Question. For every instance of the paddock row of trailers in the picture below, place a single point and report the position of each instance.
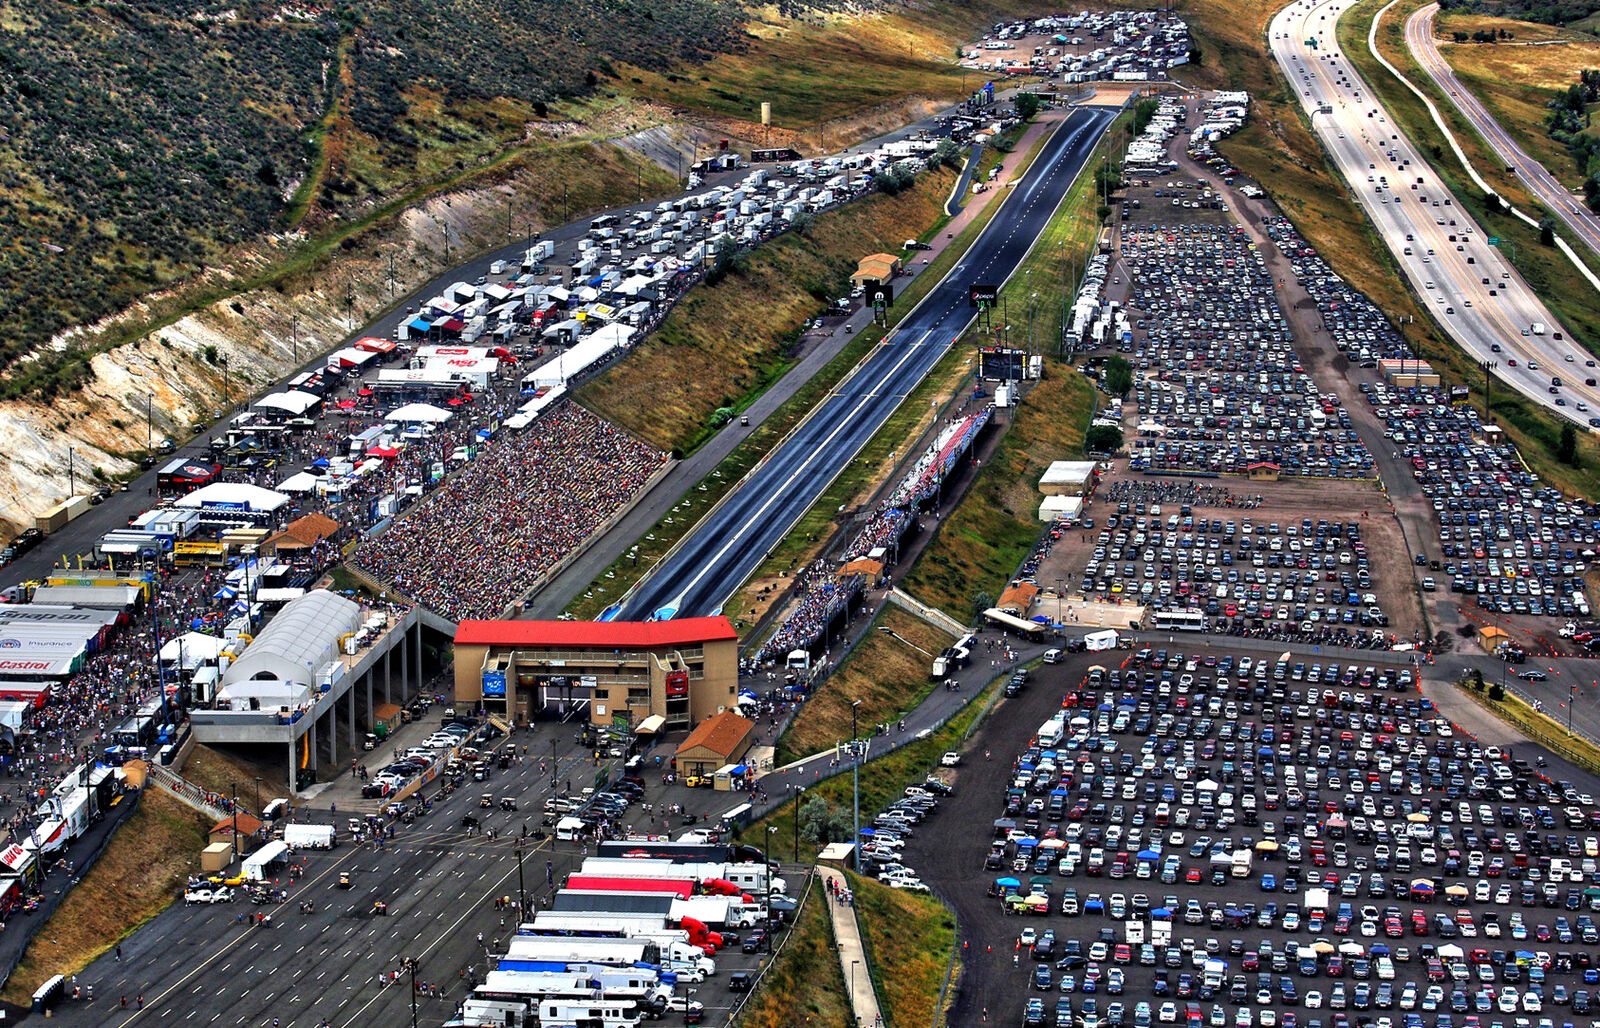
(633, 926)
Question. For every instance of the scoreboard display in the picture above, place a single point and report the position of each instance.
(1002, 363)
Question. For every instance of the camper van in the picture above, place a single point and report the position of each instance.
(560, 1013)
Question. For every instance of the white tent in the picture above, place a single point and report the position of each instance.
(235, 494)
(262, 694)
(193, 649)
(426, 413)
(257, 866)
(293, 402)
(304, 482)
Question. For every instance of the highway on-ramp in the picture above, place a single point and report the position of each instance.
(723, 550)
(1473, 292)
(1570, 209)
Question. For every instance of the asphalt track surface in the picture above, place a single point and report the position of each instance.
(1363, 141)
(1424, 47)
(727, 546)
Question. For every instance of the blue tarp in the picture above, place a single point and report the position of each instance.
(419, 325)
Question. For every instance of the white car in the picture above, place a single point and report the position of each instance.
(1168, 1013)
(197, 896)
(950, 759)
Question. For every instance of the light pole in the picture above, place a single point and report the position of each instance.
(411, 965)
(766, 854)
(522, 887)
(149, 426)
(798, 793)
(72, 478)
(258, 796)
(1572, 690)
(233, 789)
(855, 786)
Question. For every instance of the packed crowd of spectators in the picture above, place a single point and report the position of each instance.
(478, 543)
(822, 593)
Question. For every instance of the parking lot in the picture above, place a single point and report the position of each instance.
(1289, 558)
(1218, 388)
(1222, 842)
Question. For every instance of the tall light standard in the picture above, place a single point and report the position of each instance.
(258, 796)
(233, 789)
(149, 426)
(411, 965)
(522, 887)
(855, 786)
(799, 793)
(767, 856)
(1572, 689)
(72, 477)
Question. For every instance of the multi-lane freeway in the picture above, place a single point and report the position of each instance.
(1424, 47)
(1473, 292)
(723, 550)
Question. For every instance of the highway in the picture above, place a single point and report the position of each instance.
(726, 547)
(1480, 301)
(1570, 209)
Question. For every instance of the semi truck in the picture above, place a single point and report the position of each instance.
(681, 887)
(620, 926)
(749, 876)
(617, 952)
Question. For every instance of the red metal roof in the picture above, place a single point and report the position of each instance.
(598, 634)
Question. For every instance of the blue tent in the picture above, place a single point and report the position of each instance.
(421, 325)
(1008, 883)
(1149, 854)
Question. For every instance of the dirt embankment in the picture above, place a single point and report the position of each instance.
(156, 384)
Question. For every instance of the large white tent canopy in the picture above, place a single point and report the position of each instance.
(235, 494)
(292, 402)
(193, 649)
(425, 413)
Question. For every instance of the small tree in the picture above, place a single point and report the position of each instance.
(1118, 375)
(1547, 231)
(1567, 448)
(1475, 679)
(803, 222)
(1103, 439)
(982, 600)
(949, 153)
(1497, 692)
(1027, 105)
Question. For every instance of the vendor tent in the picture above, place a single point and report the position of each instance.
(423, 413)
(192, 649)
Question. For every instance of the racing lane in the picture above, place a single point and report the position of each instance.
(727, 546)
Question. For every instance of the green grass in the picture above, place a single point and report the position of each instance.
(908, 967)
(804, 985)
(725, 344)
(887, 674)
(882, 779)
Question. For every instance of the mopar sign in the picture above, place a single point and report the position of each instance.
(494, 683)
(1459, 394)
(982, 294)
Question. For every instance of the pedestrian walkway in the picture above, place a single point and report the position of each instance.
(852, 955)
(185, 791)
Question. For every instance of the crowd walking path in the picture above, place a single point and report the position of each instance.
(852, 955)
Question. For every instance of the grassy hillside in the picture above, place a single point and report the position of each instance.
(142, 141)
(1516, 83)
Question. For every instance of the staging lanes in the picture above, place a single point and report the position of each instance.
(727, 546)
(1424, 47)
(1364, 142)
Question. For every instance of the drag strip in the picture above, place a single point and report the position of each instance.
(727, 546)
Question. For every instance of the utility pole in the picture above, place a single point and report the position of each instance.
(72, 478)
(294, 334)
(391, 275)
(855, 785)
(149, 426)
(522, 887)
(799, 793)
(234, 789)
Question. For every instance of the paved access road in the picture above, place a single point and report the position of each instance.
(1443, 252)
(1424, 47)
(732, 541)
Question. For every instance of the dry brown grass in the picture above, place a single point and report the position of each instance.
(219, 771)
(138, 875)
(1514, 82)
(885, 674)
(728, 341)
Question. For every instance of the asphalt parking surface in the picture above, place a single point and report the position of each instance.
(998, 977)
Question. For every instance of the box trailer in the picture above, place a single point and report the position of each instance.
(681, 887)
(1096, 641)
(618, 952)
